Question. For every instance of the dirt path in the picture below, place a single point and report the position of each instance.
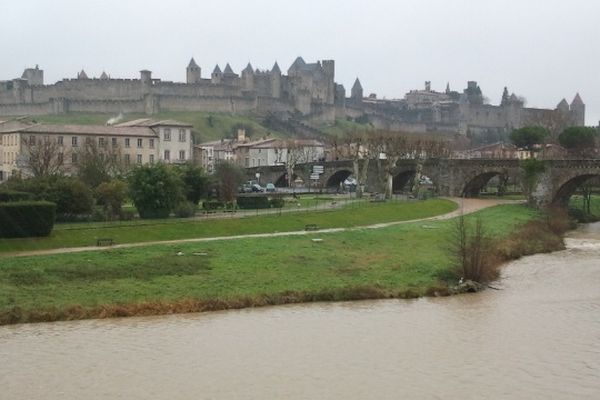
(465, 206)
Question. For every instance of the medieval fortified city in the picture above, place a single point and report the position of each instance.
(275, 229)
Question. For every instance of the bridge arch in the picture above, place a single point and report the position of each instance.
(474, 184)
(569, 187)
(403, 180)
(337, 177)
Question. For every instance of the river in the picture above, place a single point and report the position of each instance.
(536, 338)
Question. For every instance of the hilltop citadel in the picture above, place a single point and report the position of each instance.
(308, 93)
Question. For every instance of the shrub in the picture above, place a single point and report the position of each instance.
(277, 202)
(13, 195)
(185, 209)
(26, 218)
(111, 196)
(126, 215)
(212, 205)
(155, 190)
(253, 202)
(72, 197)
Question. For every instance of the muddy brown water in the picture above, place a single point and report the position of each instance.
(536, 338)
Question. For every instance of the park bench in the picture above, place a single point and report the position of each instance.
(311, 227)
(104, 242)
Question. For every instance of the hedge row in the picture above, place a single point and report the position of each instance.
(13, 195)
(254, 202)
(26, 219)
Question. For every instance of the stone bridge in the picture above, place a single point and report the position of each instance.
(451, 177)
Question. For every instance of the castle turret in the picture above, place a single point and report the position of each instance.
(578, 111)
(329, 69)
(448, 88)
(104, 76)
(34, 76)
(193, 72)
(216, 75)
(563, 106)
(146, 79)
(82, 75)
(248, 77)
(428, 86)
(356, 93)
(505, 97)
(296, 66)
(228, 70)
(276, 81)
(473, 92)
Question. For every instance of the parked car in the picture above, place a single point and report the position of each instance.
(245, 188)
(270, 187)
(257, 188)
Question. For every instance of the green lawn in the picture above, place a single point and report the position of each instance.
(394, 259)
(74, 235)
(576, 201)
(218, 126)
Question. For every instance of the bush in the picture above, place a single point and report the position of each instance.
(253, 202)
(26, 219)
(13, 195)
(277, 203)
(212, 205)
(185, 209)
(155, 190)
(72, 197)
(111, 196)
(126, 215)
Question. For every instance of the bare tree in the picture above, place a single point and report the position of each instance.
(422, 149)
(356, 146)
(98, 162)
(44, 156)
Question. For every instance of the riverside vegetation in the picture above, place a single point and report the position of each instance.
(402, 261)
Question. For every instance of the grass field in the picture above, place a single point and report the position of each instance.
(207, 126)
(76, 235)
(576, 201)
(398, 261)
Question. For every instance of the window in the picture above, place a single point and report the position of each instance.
(127, 159)
(114, 142)
(151, 143)
(74, 158)
(74, 141)
(59, 140)
(167, 156)
(60, 158)
(138, 159)
(259, 162)
(32, 140)
(182, 135)
(167, 135)
(126, 142)
(151, 158)
(247, 162)
(140, 143)
(88, 140)
(102, 142)
(182, 155)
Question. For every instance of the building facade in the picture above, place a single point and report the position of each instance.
(135, 142)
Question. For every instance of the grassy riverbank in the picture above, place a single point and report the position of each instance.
(399, 261)
(79, 235)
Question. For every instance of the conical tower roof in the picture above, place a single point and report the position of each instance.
(563, 105)
(228, 69)
(577, 100)
(104, 75)
(248, 69)
(217, 69)
(357, 85)
(82, 75)
(275, 68)
(193, 64)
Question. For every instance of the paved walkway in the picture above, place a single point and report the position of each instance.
(466, 206)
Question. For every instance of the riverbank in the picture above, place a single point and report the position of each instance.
(400, 261)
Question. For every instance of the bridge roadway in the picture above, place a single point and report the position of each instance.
(452, 177)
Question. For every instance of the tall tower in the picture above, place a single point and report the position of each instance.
(356, 93)
(193, 72)
(34, 76)
(329, 69)
(217, 75)
(578, 111)
(276, 81)
(248, 77)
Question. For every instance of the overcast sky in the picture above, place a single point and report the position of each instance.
(543, 50)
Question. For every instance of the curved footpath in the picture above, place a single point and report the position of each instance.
(465, 206)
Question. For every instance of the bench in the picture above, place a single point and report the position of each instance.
(311, 227)
(104, 242)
